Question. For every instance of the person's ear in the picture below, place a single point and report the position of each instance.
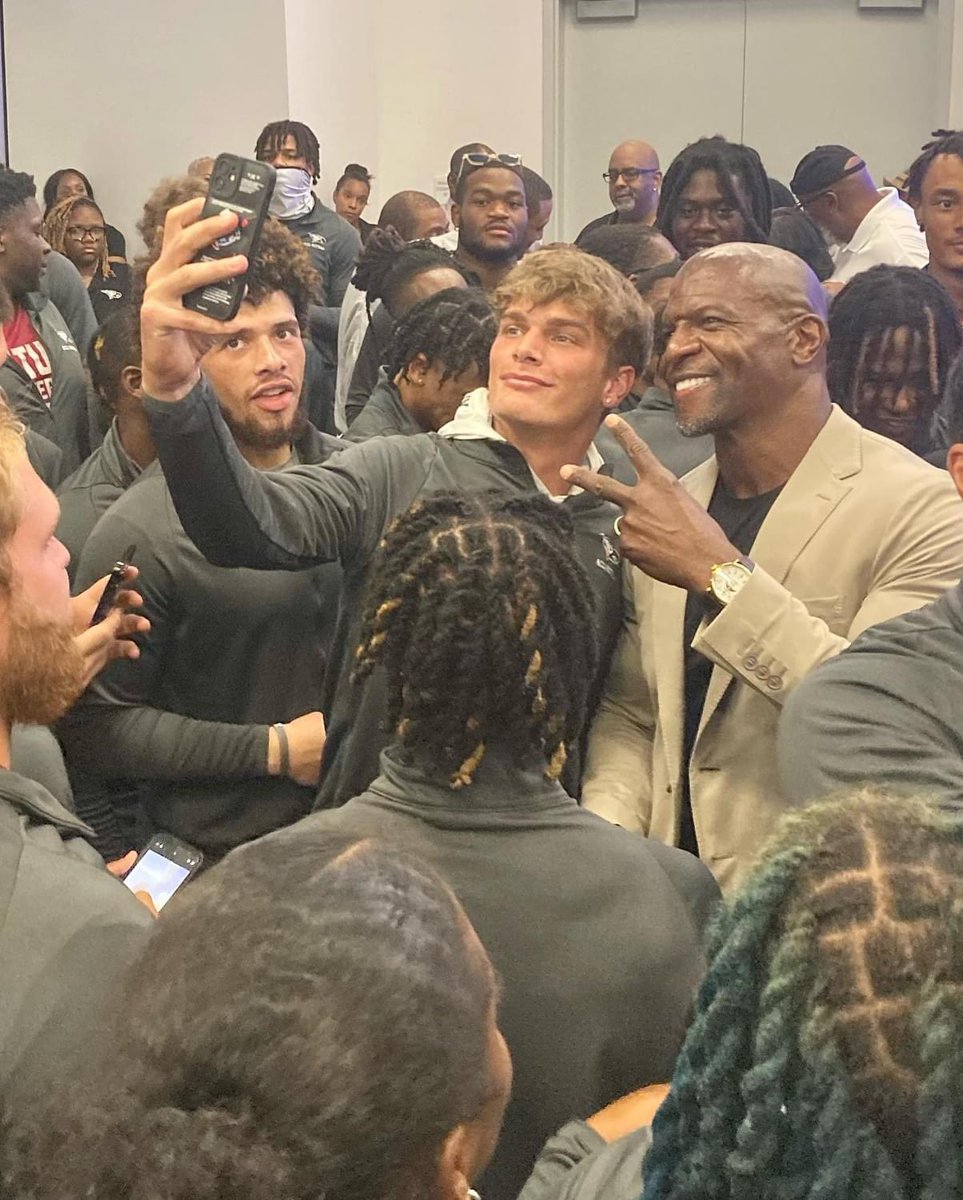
(417, 369)
(617, 387)
(808, 338)
(455, 216)
(918, 210)
(454, 1165)
(131, 381)
(954, 464)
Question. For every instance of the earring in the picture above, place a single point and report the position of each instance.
(473, 1195)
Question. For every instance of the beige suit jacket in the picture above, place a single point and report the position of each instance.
(862, 532)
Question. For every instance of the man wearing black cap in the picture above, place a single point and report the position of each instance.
(869, 225)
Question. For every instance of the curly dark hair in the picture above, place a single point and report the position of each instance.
(272, 137)
(454, 328)
(484, 621)
(727, 160)
(945, 141)
(16, 188)
(865, 316)
(114, 346)
(337, 1035)
(387, 264)
(826, 1054)
(281, 264)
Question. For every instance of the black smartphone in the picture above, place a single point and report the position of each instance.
(239, 185)
(115, 581)
(164, 865)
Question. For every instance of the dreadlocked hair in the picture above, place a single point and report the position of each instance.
(826, 1055)
(16, 188)
(945, 141)
(454, 329)
(387, 265)
(305, 142)
(864, 319)
(50, 187)
(485, 624)
(728, 161)
(58, 220)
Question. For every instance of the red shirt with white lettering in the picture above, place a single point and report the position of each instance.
(29, 352)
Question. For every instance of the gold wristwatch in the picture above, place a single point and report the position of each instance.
(726, 580)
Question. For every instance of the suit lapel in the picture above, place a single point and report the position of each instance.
(814, 490)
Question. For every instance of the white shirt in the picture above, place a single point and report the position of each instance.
(352, 326)
(888, 234)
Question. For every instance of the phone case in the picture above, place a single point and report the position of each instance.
(244, 186)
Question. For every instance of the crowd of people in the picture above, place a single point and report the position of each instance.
(548, 650)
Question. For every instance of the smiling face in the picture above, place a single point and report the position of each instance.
(70, 184)
(492, 216)
(705, 217)
(726, 352)
(634, 180)
(550, 370)
(257, 373)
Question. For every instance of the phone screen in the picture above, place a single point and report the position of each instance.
(156, 875)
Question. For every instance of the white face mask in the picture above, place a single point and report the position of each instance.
(292, 194)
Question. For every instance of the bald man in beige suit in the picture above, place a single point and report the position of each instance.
(800, 532)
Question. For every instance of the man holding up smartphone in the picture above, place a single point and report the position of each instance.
(557, 366)
(219, 719)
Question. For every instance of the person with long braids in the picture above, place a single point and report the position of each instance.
(825, 1058)
(481, 623)
(342, 1042)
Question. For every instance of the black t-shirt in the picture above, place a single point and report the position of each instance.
(107, 295)
(740, 521)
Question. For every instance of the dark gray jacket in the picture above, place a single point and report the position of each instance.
(45, 458)
(334, 246)
(653, 419)
(229, 653)
(63, 284)
(68, 933)
(578, 1164)
(596, 933)
(64, 420)
(383, 416)
(340, 510)
(87, 494)
(886, 711)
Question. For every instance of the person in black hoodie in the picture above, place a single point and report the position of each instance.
(220, 716)
(439, 353)
(572, 335)
(483, 622)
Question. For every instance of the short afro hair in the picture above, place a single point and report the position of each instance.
(16, 188)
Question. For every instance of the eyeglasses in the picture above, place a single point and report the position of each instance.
(629, 174)
(82, 233)
(474, 161)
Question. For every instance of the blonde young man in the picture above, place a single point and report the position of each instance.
(800, 532)
(571, 338)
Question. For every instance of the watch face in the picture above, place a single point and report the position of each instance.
(727, 580)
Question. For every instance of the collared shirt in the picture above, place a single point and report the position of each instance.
(889, 233)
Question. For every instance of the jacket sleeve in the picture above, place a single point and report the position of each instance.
(343, 251)
(281, 520)
(854, 720)
(577, 1164)
(114, 731)
(768, 639)
(617, 780)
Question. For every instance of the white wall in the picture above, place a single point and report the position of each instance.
(131, 90)
(782, 75)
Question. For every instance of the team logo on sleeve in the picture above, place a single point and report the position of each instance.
(610, 560)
